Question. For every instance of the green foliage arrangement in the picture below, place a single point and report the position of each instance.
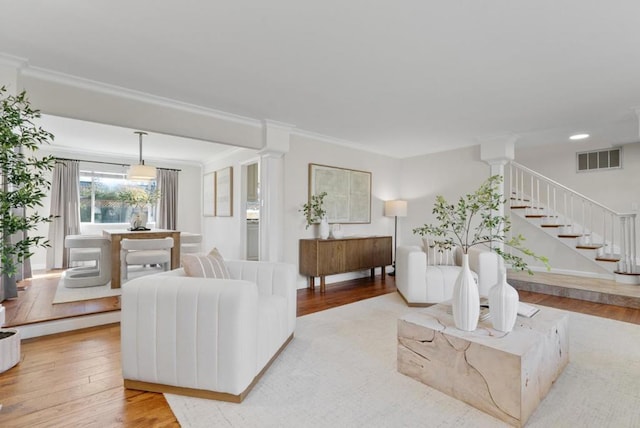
(137, 197)
(456, 225)
(25, 179)
(314, 210)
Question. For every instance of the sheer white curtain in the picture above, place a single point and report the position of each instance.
(168, 205)
(65, 207)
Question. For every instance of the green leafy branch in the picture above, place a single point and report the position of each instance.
(456, 225)
(314, 210)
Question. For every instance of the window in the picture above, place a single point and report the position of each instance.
(599, 159)
(99, 202)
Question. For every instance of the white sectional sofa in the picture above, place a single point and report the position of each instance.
(421, 282)
(210, 338)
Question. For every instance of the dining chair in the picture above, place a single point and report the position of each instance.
(144, 252)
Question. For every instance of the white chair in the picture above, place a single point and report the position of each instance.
(422, 284)
(207, 337)
(190, 242)
(84, 248)
(144, 252)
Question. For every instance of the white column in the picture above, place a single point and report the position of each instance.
(276, 145)
(497, 151)
(10, 68)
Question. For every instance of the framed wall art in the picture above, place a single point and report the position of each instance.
(348, 197)
(224, 192)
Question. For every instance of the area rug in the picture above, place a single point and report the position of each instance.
(66, 295)
(340, 371)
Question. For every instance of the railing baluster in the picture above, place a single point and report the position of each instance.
(617, 239)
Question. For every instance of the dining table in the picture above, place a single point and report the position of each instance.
(116, 237)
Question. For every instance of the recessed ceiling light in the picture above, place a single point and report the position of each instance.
(579, 136)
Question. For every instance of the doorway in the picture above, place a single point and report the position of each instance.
(252, 191)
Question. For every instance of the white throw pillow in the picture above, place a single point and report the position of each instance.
(436, 257)
(205, 266)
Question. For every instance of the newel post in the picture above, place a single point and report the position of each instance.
(497, 151)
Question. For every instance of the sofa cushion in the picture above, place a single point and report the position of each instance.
(205, 266)
(435, 256)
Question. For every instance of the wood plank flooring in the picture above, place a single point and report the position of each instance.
(34, 302)
(74, 379)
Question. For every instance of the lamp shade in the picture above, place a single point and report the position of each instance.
(141, 172)
(397, 208)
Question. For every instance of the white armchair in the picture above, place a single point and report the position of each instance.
(205, 337)
(422, 284)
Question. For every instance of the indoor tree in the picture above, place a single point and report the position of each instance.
(473, 221)
(25, 182)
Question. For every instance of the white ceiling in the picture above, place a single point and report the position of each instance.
(403, 77)
(78, 137)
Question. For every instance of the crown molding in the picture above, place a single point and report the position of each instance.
(340, 142)
(118, 91)
(268, 123)
(13, 61)
(127, 160)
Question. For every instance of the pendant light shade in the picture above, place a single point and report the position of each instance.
(141, 171)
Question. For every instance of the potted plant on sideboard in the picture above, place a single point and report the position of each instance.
(314, 212)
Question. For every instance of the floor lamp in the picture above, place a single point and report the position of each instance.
(397, 208)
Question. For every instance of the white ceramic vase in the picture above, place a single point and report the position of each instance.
(324, 228)
(503, 304)
(138, 219)
(466, 299)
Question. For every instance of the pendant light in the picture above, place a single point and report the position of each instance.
(141, 171)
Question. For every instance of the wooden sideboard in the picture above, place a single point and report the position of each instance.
(321, 257)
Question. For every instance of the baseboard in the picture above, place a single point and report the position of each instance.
(608, 276)
(203, 393)
(45, 328)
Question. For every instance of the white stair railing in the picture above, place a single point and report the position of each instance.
(596, 226)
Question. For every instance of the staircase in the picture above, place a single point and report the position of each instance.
(605, 237)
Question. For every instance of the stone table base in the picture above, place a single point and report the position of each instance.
(503, 374)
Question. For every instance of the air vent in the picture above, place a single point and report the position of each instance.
(600, 159)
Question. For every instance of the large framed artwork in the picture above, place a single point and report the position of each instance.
(348, 197)
(224, 192)
(208, 194)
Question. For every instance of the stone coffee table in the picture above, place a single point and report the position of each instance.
(503, 374)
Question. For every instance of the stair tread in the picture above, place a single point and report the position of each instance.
(569, 235)
(534, 215)
(589, 246)
(554, 225)
(608, 259)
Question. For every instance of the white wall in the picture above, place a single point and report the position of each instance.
(385, 185)
(228, 234)
(450, 174)
(618, 189)
(189, 198)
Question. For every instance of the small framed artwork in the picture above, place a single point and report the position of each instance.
(208, 194)
(224, 192)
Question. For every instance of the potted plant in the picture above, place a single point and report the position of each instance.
(470, 222)
(314, 212)
(25, 182)
(139, 199)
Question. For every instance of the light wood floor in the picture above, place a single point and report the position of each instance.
(74, 379)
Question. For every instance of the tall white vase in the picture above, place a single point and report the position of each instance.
(324, 228)
(503, 304)
(466, 299)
